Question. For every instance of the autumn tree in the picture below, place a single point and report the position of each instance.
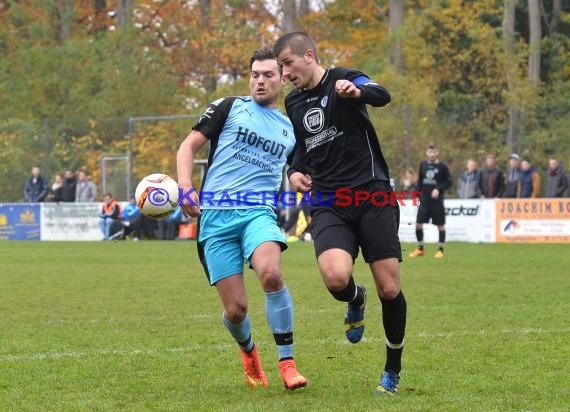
(535, 40)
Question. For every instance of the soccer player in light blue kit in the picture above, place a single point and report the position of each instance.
(250, 141)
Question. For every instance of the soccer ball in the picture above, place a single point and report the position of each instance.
(157, 196)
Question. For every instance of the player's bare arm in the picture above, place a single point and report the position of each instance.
(185, 164)
(301, 182)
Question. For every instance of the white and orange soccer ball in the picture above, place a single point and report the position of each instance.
(157, 195)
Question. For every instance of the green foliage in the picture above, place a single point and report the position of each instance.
(135, 326)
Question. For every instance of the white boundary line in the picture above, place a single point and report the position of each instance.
(229, 345)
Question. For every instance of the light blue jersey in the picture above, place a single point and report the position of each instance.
(249, 146)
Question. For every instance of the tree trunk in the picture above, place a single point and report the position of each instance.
(555, 20)
(66, 20)
(210, 83)
(510, 69)
(205, 9)
(124, 12)
(396, 21)
(534, 41)
(289, 8)
(303, 8)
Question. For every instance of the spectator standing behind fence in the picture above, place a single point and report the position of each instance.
(110, 216)
(513, 176)
(85, 190)
(56, 192)
(556, 183)
(409, 182)
(492, 182)
(69, 186)
(469, 180)
(529, 184)
(36, 186)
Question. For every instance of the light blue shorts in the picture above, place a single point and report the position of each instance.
(229, 237)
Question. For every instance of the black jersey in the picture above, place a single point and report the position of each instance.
(433, 176)
(336, 142)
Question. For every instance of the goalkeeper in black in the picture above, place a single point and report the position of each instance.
(434, 180)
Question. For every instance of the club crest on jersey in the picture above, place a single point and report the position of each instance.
(314, 120)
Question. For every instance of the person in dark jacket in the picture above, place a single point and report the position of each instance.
(556, 182)
(55, 194)
(469, 182)
(529, 184)
(492, 182)
(513, 176)
(68, 187)
(36, 187)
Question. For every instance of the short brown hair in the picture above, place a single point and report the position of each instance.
(261, 54)
(264, 54)
(298, 41)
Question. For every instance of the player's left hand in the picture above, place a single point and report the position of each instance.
(345, 88)
(435, 194)
(190, 209)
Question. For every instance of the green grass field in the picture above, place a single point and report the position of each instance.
(135, 326)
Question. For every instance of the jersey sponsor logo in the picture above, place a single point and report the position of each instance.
(320, 139)
(314, 120)
(253, 139)
(324, 101)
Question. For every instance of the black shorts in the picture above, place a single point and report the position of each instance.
(372, 228)
(431, 210)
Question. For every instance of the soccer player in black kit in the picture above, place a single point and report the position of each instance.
(434, 179)
(337, 148)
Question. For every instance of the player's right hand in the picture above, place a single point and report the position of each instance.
(190, 208)
(301, 182)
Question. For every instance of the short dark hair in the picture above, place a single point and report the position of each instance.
(298, 41)
(262, 54)
(432, 146)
